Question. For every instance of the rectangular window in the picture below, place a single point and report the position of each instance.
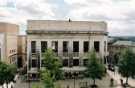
(65, 46)
(97, 46)
(34, 63)
(85, 46)
(55, 46)
(33, 46)
(65, 62)
(76, 62)
(76, 46)
(43, 46)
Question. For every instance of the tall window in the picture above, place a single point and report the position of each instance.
(43, 46)
(34, 63)
(65, 46)
(76, 46)
(65, 62)
(76, 62)
(85, 46)
(55, 46)
(97, 46)
(33, 46)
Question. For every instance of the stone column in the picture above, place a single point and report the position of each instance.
(91, 44)
(49, 44)
(60, 47)
(102, 48)
(81, 47)
(70, 46)
(81, 52)
(38, 44)
(28, 53)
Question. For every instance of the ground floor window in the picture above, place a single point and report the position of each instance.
(34, 63)
(76, 62)
(65, 62)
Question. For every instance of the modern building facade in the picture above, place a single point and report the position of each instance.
(8, 42)
(68, 39)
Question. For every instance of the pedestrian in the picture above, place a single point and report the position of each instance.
(111, 82)
(121, 81)
(12, 84)
(67, 86)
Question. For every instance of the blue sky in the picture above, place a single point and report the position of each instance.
(119, 14)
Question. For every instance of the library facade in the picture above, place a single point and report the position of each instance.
(70, 40)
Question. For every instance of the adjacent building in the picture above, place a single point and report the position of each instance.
(22, 55)
(116, 47)
(8, 42)
(70, 40)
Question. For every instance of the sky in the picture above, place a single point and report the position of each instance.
(119, 14)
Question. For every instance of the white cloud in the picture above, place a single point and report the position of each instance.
(120, 14)
(115, 12)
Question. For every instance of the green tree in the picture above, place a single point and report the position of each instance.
(52, 63)
(47, 79)
(7, 72)
(95, 69)
(126, 64)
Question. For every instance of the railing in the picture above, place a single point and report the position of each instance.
(75, 54)
(67, 54)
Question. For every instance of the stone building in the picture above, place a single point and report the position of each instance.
(68, 39)
(116, 47)
(8, 42)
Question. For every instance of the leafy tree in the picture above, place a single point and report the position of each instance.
(126, 64)
(95, 69)
(47, 79)
(52, 63)
(3, 72)
(7, 72)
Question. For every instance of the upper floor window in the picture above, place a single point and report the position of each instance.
(43, 46)
(76, 46)
(65, 46)
(85, 46)
(97, 46)
(33, 46)
(65, 62)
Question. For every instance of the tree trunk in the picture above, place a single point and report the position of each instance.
(127, 80)
(94, 81)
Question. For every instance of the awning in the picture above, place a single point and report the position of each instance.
(74, 69)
